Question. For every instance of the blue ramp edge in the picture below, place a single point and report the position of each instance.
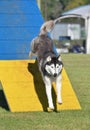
(20, 21)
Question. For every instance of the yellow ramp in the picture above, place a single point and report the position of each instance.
(24, 89)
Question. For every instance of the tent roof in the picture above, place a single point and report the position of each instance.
(83, 10)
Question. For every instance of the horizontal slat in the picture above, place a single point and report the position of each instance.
(18, 6)
(12, 56)
(18, 33)
(14, 47)
(20, 20)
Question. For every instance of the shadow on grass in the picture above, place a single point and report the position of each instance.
(3, 102)
(40, 87)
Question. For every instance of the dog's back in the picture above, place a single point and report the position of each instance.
(42, 45)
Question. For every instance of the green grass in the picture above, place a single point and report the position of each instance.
(78, 70)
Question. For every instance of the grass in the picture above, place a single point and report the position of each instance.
(78, 70)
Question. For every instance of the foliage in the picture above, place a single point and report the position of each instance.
(75, 3)
(52, 9)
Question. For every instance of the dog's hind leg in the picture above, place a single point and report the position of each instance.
(32, 51)
(30, 55)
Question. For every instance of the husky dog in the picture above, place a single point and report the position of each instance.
(50, 65)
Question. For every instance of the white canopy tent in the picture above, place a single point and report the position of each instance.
(81, 12)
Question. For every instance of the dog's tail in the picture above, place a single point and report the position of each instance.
(47, 27)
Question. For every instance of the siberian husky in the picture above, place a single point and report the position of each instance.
(50, 65)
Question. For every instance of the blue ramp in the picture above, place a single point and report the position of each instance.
(20, 21)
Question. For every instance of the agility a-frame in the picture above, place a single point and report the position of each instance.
(20, 79)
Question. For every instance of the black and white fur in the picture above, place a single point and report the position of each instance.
(50, 65)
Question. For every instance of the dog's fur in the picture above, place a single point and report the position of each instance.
(50, 65)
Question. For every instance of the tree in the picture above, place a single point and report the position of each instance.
(52, 9)
(74, 4)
